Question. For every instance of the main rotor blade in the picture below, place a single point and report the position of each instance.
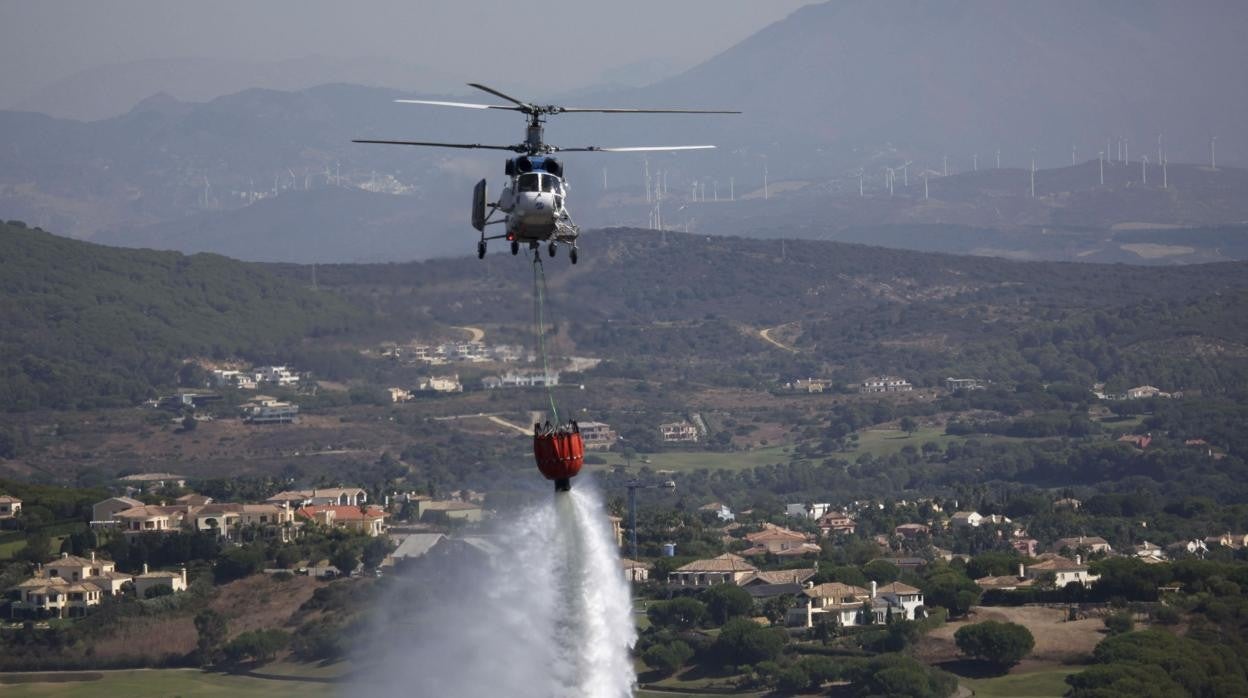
(644, 111)
(465, 105)
(636, 149)
(524, 106)
(513, 148)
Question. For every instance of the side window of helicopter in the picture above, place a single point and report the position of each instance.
(528, 182)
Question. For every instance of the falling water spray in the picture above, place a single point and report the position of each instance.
(539, 609)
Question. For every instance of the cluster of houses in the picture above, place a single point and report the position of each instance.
(454, 352)
(1139, 392)
(72, 585)
(278, 517)
(428, 385)
(678, 432)
(521, 379)
(253, 378)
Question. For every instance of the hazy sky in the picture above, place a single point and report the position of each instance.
(44, 40)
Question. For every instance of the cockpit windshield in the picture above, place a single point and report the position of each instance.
(550, 183)
(528, 182)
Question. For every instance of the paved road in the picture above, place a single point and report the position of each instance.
(477, 333)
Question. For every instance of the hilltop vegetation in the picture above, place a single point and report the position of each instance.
(87, 325)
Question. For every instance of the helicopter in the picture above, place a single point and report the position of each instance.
(533, 202)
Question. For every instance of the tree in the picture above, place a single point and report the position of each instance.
(683, 613)
(908, 425)
(345, 560)
(238, 563)
(881, 571)
(667, 657)
(742, 641)
(375, 550)
(212, 629)
(1003, 644)
(259, 645)
(724, 601)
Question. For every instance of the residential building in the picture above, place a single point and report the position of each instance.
(966, 519)
(837, 523)
(910, 531)
(1141, 392)
(722, 569)
(193, 500)
(69, 585)
(233, 379)
(151, 518)
(9, 506)
(460, 511)
(1007, 582)
(278, 375)
(898, 596)
(399, 394)
(243, 521)
(268, 410)
(1235, 541)
(1067, 503)
(1148, 550)
(834, 602)
(778, 577)
(812, 510)
(341, 496)
(102, 513)
(147, 581)
(885, 384)
(415, 546)
(597, 436)
(635, 571)
(1025, 546)
(1195, 548)
(776, 540)
(721, 511)
(442, 384)
(1140, 441)
(1064, 571)
(369, 520)
(905, 564)
(953, 384)
(678, 431)
(1091, 544)
(809, 385)
(521, 379)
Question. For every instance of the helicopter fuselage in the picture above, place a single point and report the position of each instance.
(534, 201)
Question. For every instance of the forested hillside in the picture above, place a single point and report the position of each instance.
(687, 307)
(92, 325)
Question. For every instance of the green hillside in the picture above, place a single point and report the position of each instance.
(91, 325)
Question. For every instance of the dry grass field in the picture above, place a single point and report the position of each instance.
(1057, 640)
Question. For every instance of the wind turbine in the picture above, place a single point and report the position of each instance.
(1213, 152)
(889, 176)
(860, 173)
(1165, 181)
(905, 173)
(1100, 160)
(1073, 150)
(946, 168)
(1033, 178)
(998, 154)
(1144, 168)
(975, 162)
(925, 185)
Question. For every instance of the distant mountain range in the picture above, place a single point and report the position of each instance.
(832, 90)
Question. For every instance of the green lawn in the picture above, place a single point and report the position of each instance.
(8, 550)
(164, 682)
(1037, 684)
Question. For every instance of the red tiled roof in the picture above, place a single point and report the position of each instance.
(341, 513)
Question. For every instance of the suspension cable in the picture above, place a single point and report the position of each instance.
(539, 324)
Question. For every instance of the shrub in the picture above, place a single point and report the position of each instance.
(259, 645)
(742, 641)
(1119, 623)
